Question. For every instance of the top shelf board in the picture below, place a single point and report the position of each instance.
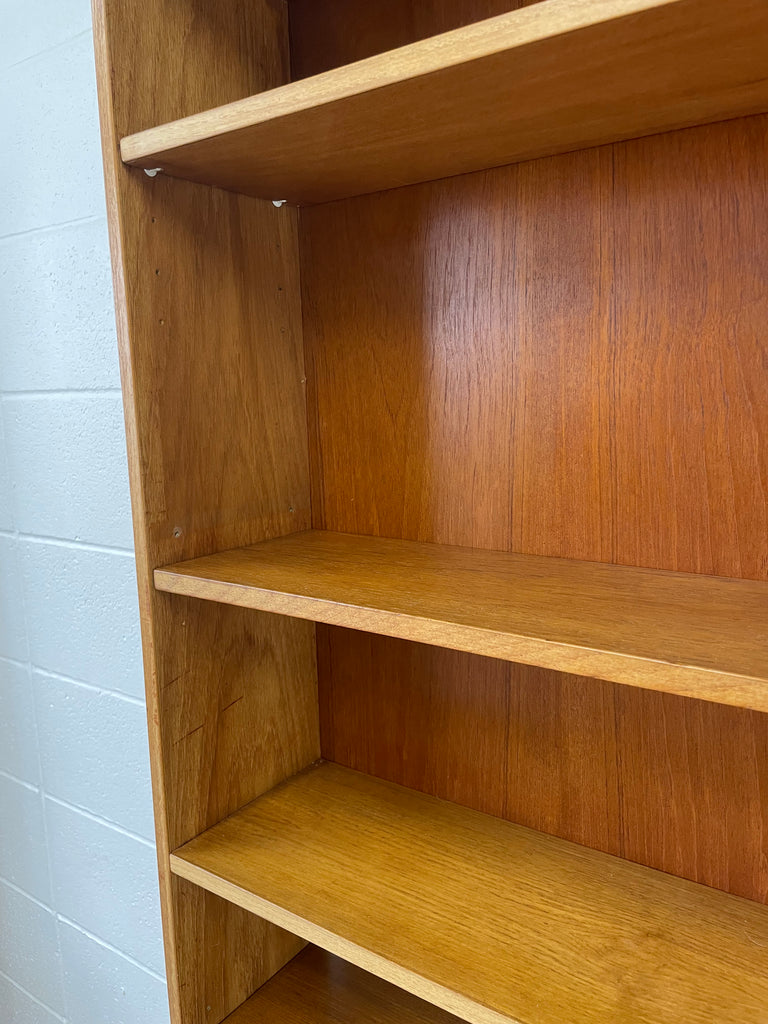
(557, 76)
(698, 636)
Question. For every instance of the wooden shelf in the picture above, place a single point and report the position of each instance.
(319, 988)
(699, 636)
(491, 921)
(553, 77)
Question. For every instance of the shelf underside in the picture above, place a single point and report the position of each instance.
(319, 988)
(556, 76)
(699, 636)
(489, 920)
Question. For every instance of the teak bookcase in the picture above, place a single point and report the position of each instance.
(450, 484)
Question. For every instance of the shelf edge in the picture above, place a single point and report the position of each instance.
(614, 667)
(416, 984)
(487, 38)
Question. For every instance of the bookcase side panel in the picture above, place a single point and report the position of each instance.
(209, 325)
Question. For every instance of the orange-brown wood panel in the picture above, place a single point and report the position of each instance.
(566, 357)
(676, 784)
(689, 379)
(225, 950)
(336, 32)
(435, 720)
(557, 289)
(409, 359)
(562, 771)
(532, 746)
(693, 789)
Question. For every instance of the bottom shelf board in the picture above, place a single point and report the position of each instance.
(319, 988)
(488, 920)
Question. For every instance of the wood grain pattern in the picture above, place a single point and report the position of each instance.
(548, 78)
(567, 933)
(528, 745)
(603, 285)
(701, 636)
(338, 32)
(232, 733)
(690, 436)
(226, 53)
(206, 287)
(434, 720)
(693, 789)
(666, 781)
(207, 925)
(319, 988)
(561, 773)
(591, 440)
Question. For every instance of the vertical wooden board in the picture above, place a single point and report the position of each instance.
(693, 783)
(239, 707)
(559, 472)
(434, 720)
(220, 452)
(174, 59)
(209, 325)
(221, 404)
(562, 775)
(209, 930)
(402, 408)
(473, 315)
(359, 332)
(336, 32)
(689, 425)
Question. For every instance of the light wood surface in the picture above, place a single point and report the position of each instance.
(680, 633)
(208, 315)
(319, 988)
(552, 77)
(567, 358)
(489, 920)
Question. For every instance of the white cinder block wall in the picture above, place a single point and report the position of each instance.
(79, 920)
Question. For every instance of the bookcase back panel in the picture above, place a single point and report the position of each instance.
(670, 782)
(331, 33)
(567, 357)
(564, 357)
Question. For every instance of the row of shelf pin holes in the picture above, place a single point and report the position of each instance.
(152, 172)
